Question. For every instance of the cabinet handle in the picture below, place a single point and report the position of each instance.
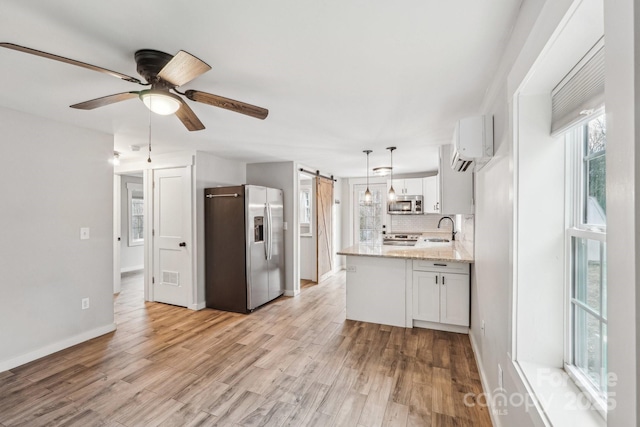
(436, 280)
(440, 265)
(443, 280)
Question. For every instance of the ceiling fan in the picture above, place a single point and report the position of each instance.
(164, 73)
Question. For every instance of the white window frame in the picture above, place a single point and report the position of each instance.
(131, 189)
(579, 229)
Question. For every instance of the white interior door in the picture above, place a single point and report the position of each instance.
(172, 245)
(116, 233)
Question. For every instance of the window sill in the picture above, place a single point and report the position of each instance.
(561, 401)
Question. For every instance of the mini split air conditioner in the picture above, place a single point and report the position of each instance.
(472, 144)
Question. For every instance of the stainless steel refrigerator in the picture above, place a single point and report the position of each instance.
(244, 247)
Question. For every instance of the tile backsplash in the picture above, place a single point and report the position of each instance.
(417, 223)
(429, 222)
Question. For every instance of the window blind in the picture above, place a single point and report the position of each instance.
(580, 92)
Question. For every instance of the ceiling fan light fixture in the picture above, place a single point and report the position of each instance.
(160, 101)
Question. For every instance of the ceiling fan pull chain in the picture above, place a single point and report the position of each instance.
(149, 159)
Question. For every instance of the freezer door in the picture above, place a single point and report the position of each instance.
(225, 249)
(257, 240)
(276, 242)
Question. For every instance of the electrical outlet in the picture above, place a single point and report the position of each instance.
(500, 378)
(351, 268)
(85, 303)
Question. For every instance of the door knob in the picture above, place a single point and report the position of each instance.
(183, 244)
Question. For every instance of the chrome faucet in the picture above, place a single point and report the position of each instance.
(453, 226)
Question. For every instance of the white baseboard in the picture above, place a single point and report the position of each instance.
(441, 326)
(495, 420)
(291, 293)
(134, 268)
(5, 365)
(198, 306)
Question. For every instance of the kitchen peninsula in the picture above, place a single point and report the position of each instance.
(426, 285)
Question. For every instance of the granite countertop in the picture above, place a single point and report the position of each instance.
(451, 252)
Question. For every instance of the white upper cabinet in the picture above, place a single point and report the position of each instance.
(413, 186)
(431, 194)
(456, 188)
(407, 187)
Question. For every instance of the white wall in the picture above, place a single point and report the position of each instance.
(540, 234)
(336, 211)
(131, 257)
(622, 30)
(283, 175)
(61, 180)
(344, 212)
(210, 171)
(493, 271)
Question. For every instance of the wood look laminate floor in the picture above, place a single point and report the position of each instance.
(293, 362)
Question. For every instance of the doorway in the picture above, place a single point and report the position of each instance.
(315, 222)
(159, 223)
(307, 223)
(129, 232)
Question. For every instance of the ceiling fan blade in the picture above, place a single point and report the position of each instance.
(70, 61)
(229, 104)
(183, 68)
(188, 117)
(105, 100)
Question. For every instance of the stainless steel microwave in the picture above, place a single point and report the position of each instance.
(405, 205)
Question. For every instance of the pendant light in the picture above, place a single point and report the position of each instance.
(367, 194)
(392, 192)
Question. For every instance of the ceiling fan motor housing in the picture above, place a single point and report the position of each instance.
(150, 62)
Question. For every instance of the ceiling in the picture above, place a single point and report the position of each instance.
(337, 76)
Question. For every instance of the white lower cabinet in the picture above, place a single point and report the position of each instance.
(376, 290)
(441, 293)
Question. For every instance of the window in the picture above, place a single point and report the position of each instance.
(369, 217)
(586, 238)
(305, 210)
(135, 200)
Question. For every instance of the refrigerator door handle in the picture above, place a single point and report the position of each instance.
(267, 226)
(269, 232)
